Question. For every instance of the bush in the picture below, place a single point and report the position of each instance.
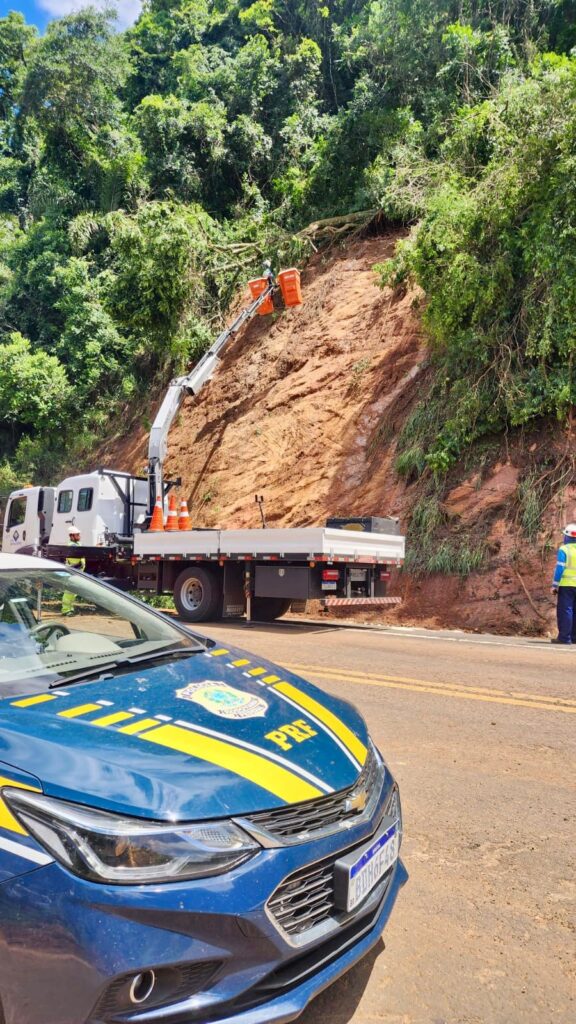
(496, 255)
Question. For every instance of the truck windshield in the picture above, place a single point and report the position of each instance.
(56, 625)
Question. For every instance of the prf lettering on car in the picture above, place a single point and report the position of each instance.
(297, 731)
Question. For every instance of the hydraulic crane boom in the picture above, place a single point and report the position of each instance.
(191, 384)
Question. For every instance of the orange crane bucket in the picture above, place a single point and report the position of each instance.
(289, 281)
(257, 286)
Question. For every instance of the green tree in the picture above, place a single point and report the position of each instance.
(71, 90)
(34, 388)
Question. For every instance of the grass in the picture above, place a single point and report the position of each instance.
(357, 372)
(411, 462)
(531, 503)
(446, 558)
(428, 553)
(162, 602)
(416, 438)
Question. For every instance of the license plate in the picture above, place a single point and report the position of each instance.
(371, 865)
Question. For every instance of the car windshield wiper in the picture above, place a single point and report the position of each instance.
(173, 652)
(120, 662)
(79, 677)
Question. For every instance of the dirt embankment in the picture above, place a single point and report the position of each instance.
(306, 410)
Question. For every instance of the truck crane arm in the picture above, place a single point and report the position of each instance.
(190, 384)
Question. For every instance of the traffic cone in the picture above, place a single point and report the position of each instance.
(184, 522)
(172, 521)
(157, 521)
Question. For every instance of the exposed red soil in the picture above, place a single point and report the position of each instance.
(305, 410)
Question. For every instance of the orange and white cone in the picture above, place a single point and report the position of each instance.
(172, 520)
(157, 521)
(184, 522)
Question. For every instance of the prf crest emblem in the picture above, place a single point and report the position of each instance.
(224, 700)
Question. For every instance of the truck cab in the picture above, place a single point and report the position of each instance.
(104, 505)
(28, 519)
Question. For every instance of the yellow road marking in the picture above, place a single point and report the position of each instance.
(135, 727)
(216, 654)
(440, 689)
(29, 701)
(7, 819)
(361, 676)
(113, 719)
(247, 765)
(354, 745)
(81, 709)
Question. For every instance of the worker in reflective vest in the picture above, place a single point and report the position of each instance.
(68, 598)
(564, 585)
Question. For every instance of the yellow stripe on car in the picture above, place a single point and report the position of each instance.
(136, 727)
(256, 671)
(252, 767)
(27, 702)
(113, 719)
(80, 709)
(7, 819)
(216, 654)
(350, 741)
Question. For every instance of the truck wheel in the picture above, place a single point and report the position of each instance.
(196, 595)
(267, 609)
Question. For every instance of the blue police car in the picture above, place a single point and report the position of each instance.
(187, 833)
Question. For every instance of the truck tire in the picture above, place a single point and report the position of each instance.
(268, 609)
(197, 594)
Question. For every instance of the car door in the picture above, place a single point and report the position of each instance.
(15, 524)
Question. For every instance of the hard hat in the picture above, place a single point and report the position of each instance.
(73, 530)
(570, 530)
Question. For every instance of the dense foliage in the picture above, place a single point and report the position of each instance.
(144, 174)
(496, 255)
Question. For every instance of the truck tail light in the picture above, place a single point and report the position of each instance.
(330, 575)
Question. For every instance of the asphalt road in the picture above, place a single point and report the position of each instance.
(481, 734)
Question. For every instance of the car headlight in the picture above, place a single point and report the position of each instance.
(125, 851)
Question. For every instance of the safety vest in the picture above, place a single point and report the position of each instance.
(77, 563)
(569, 574)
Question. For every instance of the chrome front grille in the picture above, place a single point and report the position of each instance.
(324, 815)
(305, 899)
(303, 906)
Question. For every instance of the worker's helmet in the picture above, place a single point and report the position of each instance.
(570, 530)
(73, 531)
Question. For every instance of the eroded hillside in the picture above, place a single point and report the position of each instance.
(306, 411)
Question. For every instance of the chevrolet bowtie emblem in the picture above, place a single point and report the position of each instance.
(357, 802)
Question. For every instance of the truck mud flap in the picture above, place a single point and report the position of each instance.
(148, 576)
(360, 602)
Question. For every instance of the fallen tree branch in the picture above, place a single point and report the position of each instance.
(330, 225)
(530, 601)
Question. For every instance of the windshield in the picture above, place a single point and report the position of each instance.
(56, 625)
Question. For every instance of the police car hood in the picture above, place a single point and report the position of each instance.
(214, 734)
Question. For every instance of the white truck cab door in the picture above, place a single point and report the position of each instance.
(21, 521)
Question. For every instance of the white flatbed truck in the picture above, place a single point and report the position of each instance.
(210, 573)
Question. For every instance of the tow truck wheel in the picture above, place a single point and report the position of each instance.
(268, 609)
(196, 595)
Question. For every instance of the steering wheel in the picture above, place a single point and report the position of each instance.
(46, 631)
